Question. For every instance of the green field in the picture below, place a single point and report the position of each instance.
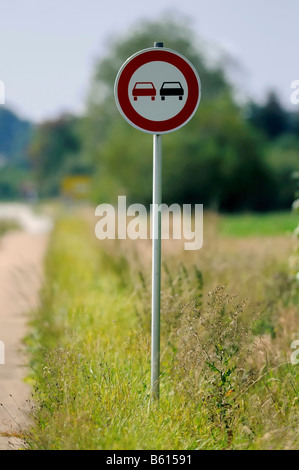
(229, 315)
(265, 224)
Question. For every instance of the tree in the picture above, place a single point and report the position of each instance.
(15, 137)
(216, 159)
(102, 113)
(270, 118)
(283, 158)
(55, 151)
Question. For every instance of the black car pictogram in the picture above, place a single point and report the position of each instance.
(171, 89)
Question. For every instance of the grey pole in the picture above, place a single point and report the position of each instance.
(156, 261)
(156, 264)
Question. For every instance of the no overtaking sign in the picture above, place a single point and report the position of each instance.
(157, 90)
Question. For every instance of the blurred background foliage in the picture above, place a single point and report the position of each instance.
(231, 156)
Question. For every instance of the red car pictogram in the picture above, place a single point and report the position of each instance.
(144, 89)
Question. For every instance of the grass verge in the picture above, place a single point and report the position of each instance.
(221, 386)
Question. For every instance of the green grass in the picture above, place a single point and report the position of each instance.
(264, 224)
(6, 226)
(90, 359)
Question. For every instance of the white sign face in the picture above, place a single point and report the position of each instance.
(166, 98)
(157, 90)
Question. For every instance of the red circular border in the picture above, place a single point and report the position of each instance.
(126, 107)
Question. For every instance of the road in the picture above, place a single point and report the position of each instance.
(21, 270)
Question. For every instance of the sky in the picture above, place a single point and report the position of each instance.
(48, 48)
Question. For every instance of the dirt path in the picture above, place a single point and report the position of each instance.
(21, 255)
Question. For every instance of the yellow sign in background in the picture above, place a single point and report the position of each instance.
(76, 187)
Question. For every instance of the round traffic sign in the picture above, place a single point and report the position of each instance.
(157, 90)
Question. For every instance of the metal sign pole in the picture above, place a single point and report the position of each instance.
(156, 260)
(169, 74)
(156, 263)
